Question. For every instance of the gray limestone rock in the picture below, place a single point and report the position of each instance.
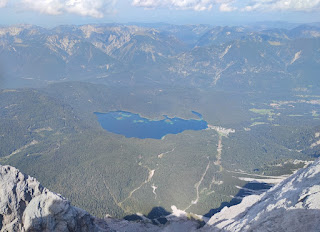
(27, 206)
(292, 205)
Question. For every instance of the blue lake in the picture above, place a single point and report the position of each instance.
(133, 125)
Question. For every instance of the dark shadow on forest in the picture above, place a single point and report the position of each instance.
(245, 191)
(158, 214)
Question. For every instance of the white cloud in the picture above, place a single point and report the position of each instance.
(53, 7)
(226, 7)
(285, 5)
(3, 3)
(99, 8)
(197, 5)
(231, 5)
(93, 8)
(86, 7)
(146, 3)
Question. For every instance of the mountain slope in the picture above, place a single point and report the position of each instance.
(292, 205)
(27, 206)
(229, 58)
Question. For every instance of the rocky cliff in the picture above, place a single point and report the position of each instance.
(27, 206)
(292, 205)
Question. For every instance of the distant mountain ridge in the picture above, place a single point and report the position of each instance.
(198, 55)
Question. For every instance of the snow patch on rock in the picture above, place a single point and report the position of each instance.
(296, 57)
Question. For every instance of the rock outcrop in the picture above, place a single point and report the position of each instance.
(27, 206)
(292, 205)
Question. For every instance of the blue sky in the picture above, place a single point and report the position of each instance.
(216, 12)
